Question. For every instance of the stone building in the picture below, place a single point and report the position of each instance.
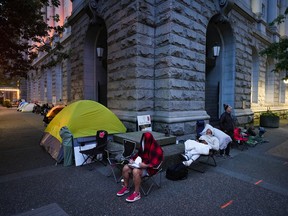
(158, 59)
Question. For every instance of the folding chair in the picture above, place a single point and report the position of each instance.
(96, 153)
(240, 139)
(117, 159)
(210, 159)
(149, 181)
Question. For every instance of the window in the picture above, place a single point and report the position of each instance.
(263, 12)
(269, 83)
(282, 89)
(254, 77)
(278, 7)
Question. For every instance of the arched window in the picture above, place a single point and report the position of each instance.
(269, 82)
(282, 88)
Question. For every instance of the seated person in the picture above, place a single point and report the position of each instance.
(193, 149)
(209, 138)
(255, 138)
(151, 154)
(251, 131)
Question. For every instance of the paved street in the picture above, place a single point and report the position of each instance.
(253, 182)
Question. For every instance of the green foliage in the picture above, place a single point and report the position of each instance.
(6, 80)
(278, 50)
(269, 113)
(23, 33)
(280, 19)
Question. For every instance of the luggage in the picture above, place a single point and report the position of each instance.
(177, 172)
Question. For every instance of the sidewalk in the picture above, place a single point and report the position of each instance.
(253, 182)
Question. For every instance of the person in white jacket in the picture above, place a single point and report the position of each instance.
(193, 149)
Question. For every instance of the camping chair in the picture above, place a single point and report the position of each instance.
(96, 153)
(117, 159)
(210, 160)
(240, 138)
(149, 181)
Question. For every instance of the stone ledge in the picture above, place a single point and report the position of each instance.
(171, 152)
(136, 136)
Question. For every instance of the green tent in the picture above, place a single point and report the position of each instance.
(83, 118)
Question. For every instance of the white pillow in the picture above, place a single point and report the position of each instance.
(224, 139)
(207, 126)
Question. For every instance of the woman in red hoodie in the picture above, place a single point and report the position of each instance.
(151, 155)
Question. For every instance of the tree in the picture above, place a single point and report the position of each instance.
(23, 33)
(278, 50)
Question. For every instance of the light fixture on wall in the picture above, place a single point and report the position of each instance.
(285, 79)
(216, 50)
(99, 51)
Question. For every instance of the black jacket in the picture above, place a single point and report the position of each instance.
(226, 123)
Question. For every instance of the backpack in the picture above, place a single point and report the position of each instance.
(177, 172)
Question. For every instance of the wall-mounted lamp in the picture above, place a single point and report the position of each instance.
(285, 79)
(216, 50)
(100, 51)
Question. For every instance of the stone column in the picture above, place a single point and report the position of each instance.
(179, 66)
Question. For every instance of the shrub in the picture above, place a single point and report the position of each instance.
(7, 103)
(269, 113)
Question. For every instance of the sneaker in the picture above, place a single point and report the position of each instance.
(134, 197)
(123, 191)
(186, 163)
(184, 157)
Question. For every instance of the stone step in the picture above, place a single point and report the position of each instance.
(161, 138)
(172, 154)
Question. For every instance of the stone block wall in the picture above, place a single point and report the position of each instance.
(157, 60)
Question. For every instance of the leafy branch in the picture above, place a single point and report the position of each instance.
(24, 33)
(278, 50)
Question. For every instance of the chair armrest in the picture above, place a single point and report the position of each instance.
(114, 150)
(158, 167)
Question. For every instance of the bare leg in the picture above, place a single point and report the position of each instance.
(125, 173)
(137, 177)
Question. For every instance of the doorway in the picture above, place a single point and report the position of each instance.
(220, 69)
(95, 67)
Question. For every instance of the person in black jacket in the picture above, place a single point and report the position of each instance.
(227, 126)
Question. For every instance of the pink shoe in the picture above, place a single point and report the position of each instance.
(123, 191)
(134, 197)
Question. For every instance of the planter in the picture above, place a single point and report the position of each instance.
(269, 121)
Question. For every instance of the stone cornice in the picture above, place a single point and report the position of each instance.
(245, 13)
(78, 12)
(261, 37)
